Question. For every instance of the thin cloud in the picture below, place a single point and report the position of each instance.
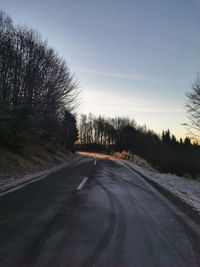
(136, 76)
(159, 110)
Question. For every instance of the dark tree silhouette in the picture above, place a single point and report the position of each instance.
(193, 110)
(37, 89)
(70, 130)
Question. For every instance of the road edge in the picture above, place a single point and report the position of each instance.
(182, 205)
(35, 177)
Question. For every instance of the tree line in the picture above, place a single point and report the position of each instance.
(165, 153)
(38, 93)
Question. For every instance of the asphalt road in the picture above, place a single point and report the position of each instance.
(114, 219)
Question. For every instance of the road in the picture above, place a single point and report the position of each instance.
(95, 212)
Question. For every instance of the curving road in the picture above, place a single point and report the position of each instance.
(96, 212)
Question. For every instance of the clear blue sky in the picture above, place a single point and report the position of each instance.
(132, 57)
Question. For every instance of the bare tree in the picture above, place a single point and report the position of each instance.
(193, 110)
(37, 88)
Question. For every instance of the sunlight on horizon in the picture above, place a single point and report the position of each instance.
(155, 114)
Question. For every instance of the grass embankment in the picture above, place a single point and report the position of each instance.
(183, 192)
(30, 160)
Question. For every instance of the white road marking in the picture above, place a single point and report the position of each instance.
(82, 183)
(95, 160)
(23, 185)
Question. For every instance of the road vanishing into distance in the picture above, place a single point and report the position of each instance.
(95, 212)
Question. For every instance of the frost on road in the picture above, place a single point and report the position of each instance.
(115, 219)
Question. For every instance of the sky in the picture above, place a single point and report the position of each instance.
(135, 58)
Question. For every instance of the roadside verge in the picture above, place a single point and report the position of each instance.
(13, 183)
(179, 198)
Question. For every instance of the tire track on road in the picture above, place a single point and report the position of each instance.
(104, 241)
(72, 201)
(150, 223)
(194, 241)
(120, 226)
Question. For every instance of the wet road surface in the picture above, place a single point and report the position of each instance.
(115, 218)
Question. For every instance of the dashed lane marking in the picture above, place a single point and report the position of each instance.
(82, 183)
